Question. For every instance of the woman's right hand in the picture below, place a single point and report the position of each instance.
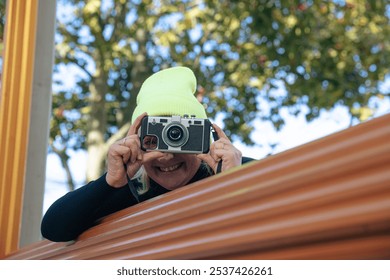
(127, 153)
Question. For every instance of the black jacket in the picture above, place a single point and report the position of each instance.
(80, 209)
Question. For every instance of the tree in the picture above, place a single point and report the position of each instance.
(322, 53)
(2, 27)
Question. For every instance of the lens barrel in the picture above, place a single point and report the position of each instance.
(175, 135)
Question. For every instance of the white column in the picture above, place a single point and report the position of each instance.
(39, 127)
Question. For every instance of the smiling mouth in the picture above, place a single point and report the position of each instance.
(170, 168)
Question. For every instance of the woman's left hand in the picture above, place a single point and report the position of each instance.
(222, 150)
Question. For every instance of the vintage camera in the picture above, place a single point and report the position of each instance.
(175, 134)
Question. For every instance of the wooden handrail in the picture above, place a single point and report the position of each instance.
(328, 199)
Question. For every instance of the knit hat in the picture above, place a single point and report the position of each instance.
(169, 92)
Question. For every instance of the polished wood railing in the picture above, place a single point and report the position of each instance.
(328, 199)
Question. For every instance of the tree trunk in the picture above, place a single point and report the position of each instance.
(97, 126)
(61, 153)
(97, 145)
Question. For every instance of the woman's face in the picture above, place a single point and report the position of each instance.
(173, 171)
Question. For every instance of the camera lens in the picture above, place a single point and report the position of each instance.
(175, 133)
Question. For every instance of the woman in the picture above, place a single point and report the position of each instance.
(152, 173)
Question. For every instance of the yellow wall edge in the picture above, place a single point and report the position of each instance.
(15, 105)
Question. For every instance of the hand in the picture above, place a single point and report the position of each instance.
(222, 150)
(126, 155)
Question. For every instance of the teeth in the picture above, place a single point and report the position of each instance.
(170, 168)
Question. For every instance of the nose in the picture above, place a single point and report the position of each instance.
(166, 157)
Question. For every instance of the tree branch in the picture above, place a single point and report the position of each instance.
(61, 153)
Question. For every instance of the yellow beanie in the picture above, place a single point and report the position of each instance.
(169, 92)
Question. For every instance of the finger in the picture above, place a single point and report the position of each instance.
(222, 144)
(133, 144)
(220, 154)
(137, 123)
(120, 152)
(220, 132)
(207, 158)
(219, 145)
(148, 156)
(135, 151)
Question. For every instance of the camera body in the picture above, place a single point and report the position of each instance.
(175, 134)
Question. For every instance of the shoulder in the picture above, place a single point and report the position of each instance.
(246, 160)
